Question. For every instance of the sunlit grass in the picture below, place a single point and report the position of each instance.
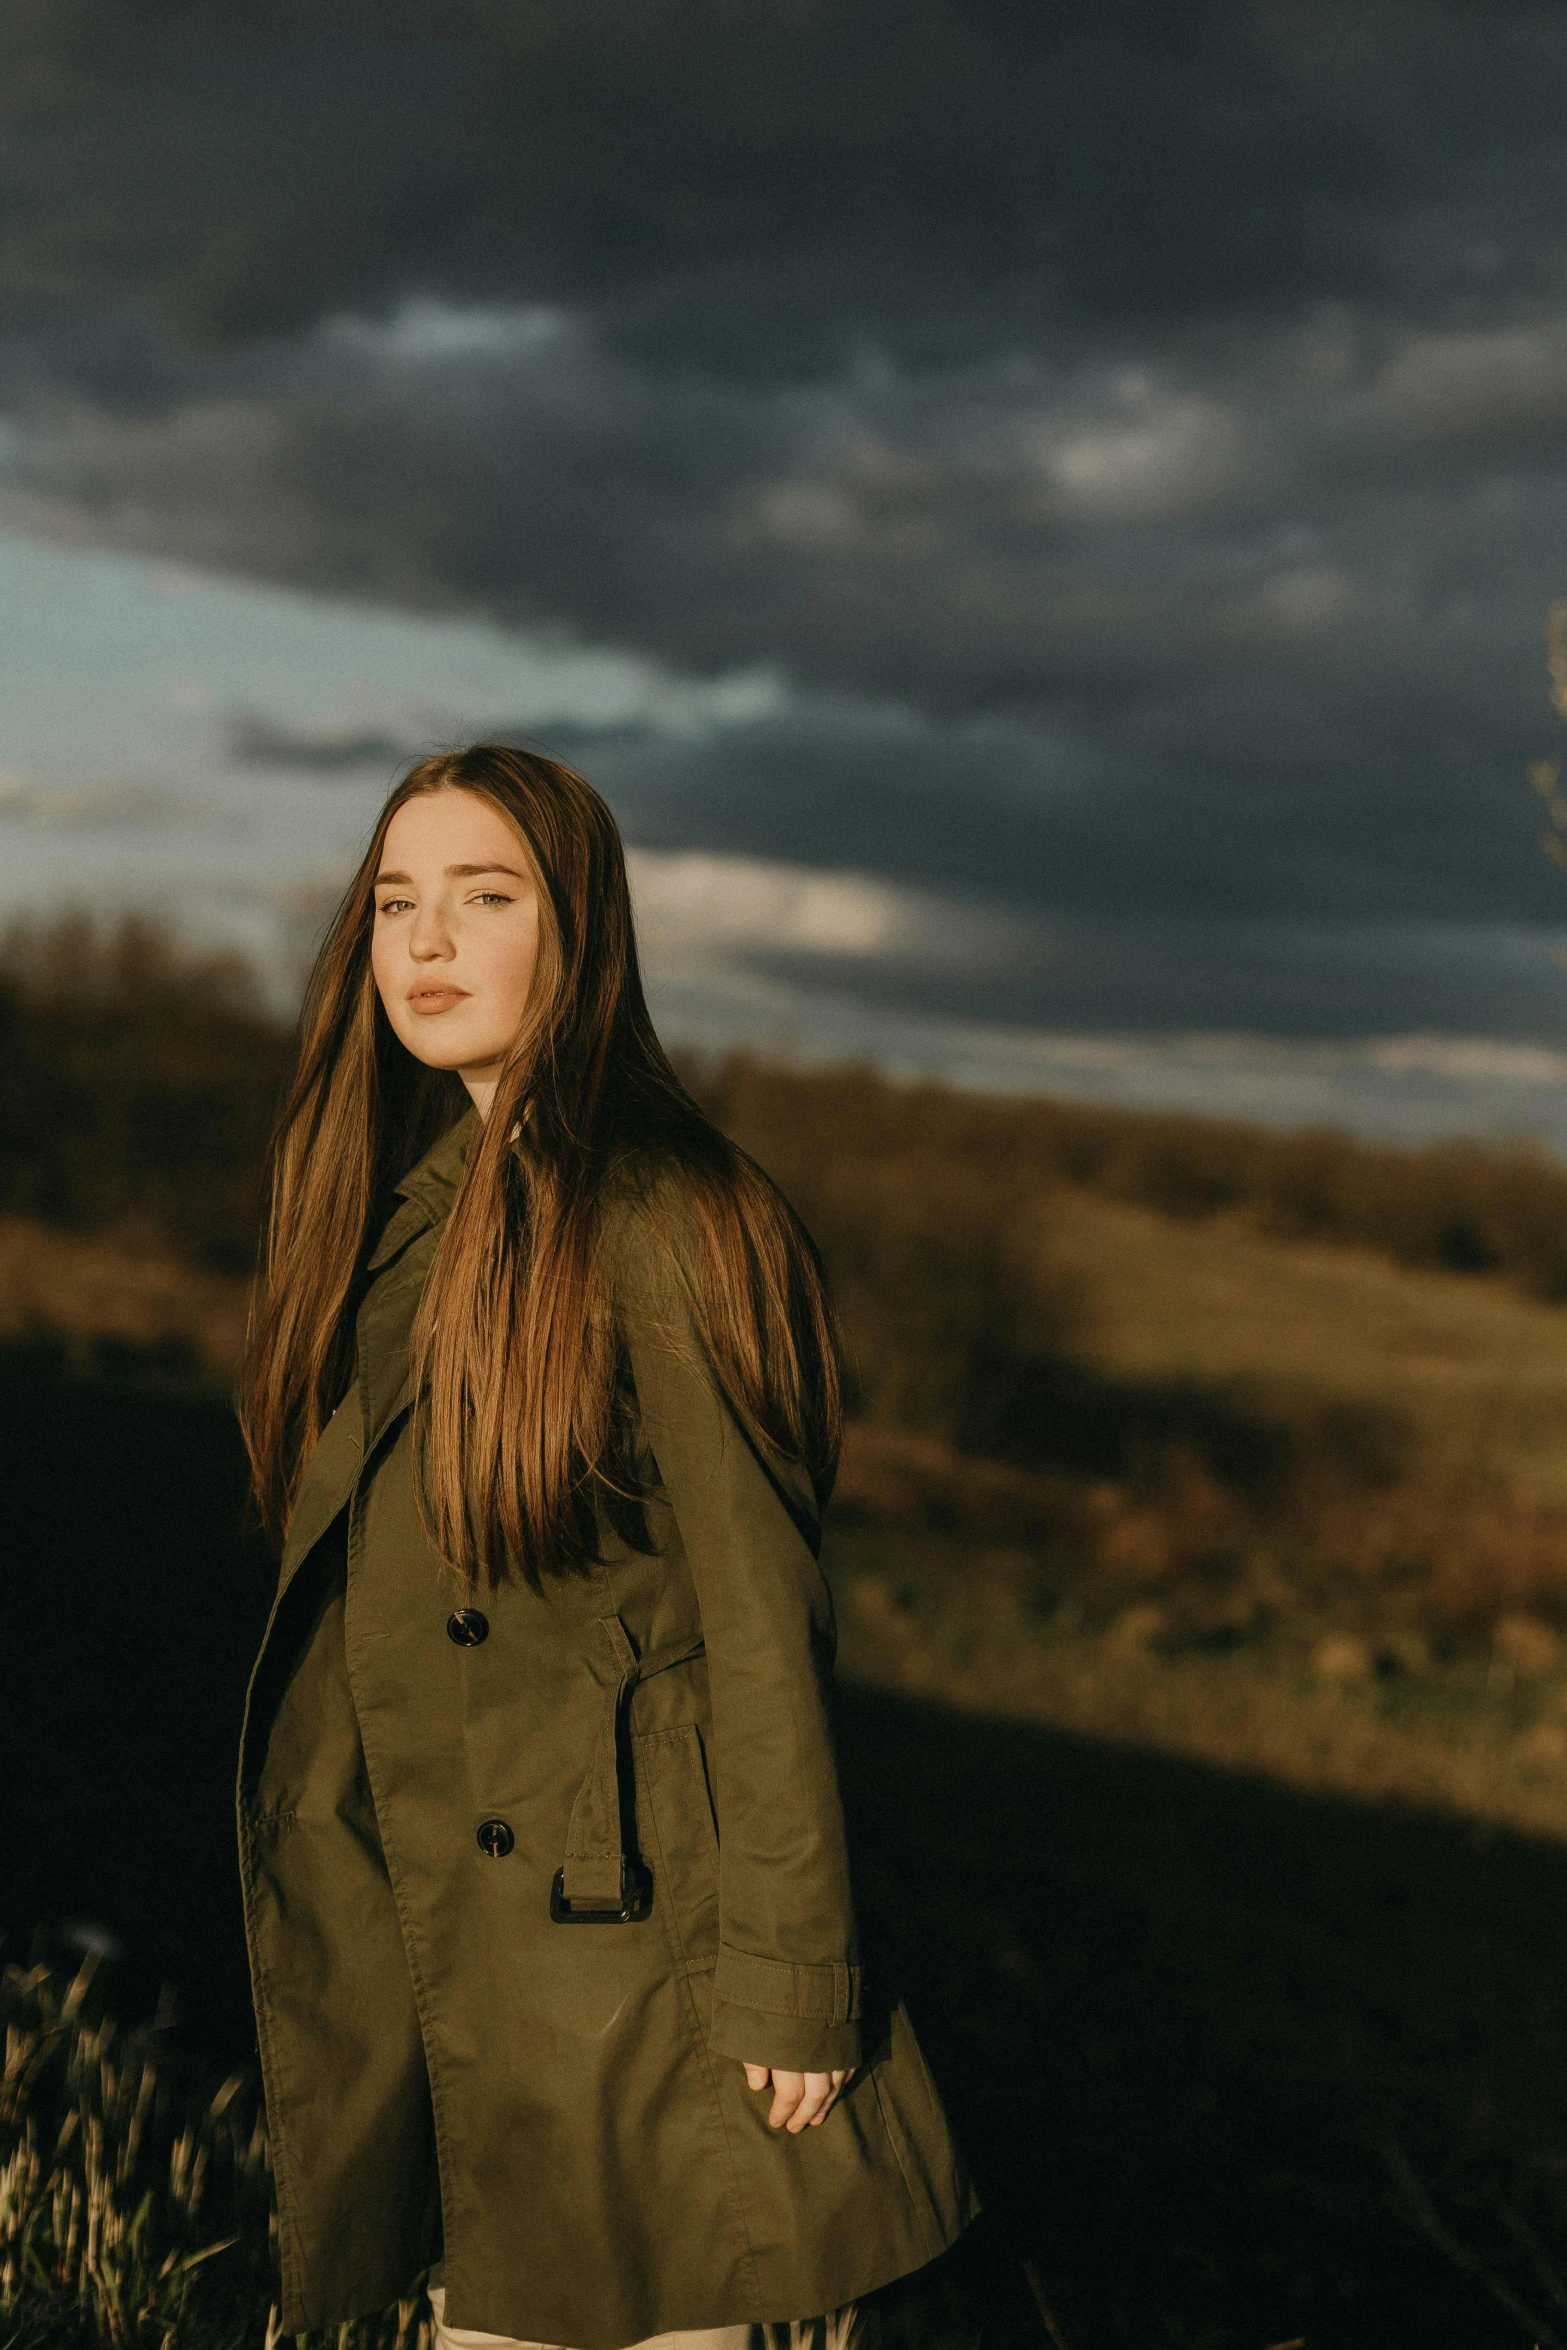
(135, 2208)
(1476, 1370)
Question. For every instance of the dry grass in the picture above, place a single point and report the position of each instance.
(1454, 1517)
(963, 1633)
(1288, 1507)
(92, 1299)
(135, 2210)
(1478, 1371)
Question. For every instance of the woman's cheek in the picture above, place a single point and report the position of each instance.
(514, 977)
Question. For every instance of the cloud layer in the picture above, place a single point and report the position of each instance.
(1133, 440)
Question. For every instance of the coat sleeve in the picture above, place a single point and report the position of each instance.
(786, 1988)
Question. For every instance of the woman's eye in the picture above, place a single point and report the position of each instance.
(491, 897)
(394, 905)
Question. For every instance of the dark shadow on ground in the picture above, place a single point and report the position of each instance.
(131, 1605)
(1175, 2014)
(1178, 2016)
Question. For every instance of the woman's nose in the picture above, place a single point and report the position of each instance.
(430, 938)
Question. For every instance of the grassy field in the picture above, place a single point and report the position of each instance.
(1293, 1508)
(1182, 1480)
(1475, 1371)
(1203, 1599)
(1236, 2067)
(116, 1304)
(1239, 2066)
(1201, 1558)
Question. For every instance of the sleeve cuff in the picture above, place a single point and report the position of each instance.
(767, 2011)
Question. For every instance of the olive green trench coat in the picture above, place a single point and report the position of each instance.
(445, 1800)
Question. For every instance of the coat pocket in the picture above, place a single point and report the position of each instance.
(680, 1838)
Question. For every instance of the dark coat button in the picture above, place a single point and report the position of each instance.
(467, 1627)
(495, 1839)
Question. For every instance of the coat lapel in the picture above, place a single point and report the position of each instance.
(386, 1322)
(328, 1481)
(400, 1261)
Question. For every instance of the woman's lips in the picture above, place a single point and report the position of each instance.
(436, 999)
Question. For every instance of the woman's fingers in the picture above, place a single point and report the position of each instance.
(800, 2100)
(837, 2082)
(788, 2089)
(817, 2094)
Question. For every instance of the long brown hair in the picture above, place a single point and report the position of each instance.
(518, 1376)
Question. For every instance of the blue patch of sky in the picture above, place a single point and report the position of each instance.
(118, 678)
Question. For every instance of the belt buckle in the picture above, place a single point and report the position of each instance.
(636, 1899)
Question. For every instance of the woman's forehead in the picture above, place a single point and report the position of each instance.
(451, 827)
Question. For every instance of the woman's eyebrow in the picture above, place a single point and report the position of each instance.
(454, 872)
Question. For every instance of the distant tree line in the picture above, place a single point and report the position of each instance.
(138, 1081)
(1459, 1206)
(139, 1078)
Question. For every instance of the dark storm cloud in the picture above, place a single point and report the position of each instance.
(753, 181)
(1135, 433)
(1010, 812)
(994, 810)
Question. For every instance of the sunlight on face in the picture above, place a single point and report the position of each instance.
(456, 934)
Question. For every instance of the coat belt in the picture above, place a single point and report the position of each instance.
(595, 1840)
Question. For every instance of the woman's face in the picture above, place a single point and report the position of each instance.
(456, 934)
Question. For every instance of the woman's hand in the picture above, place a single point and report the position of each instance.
(800, 2100)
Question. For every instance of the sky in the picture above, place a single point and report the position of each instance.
(1040, 518)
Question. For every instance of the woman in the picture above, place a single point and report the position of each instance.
(544, 1865)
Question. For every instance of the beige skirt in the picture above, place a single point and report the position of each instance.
(833, 2332)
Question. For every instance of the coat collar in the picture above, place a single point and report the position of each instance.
(427, 1191)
